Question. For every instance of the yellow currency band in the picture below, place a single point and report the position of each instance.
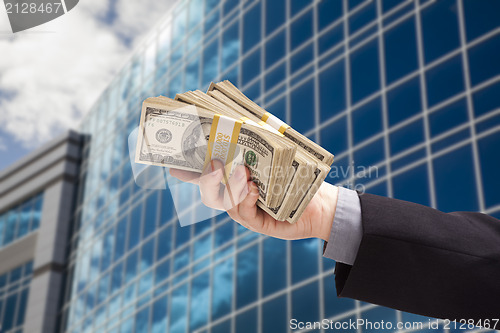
(275, 122)
(222, 141)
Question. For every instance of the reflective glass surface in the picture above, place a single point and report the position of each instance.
(20, 220)
(14, 290)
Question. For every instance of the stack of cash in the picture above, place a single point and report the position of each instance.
(186, 133)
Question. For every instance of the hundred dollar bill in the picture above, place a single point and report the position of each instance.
(172, 134)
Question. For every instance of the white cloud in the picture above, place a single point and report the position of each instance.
(51, 75)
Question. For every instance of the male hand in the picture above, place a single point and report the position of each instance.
(240, 196)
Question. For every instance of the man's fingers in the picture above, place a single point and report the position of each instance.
(248, 210)
(185, 176)
(210, 185)
(236, 190)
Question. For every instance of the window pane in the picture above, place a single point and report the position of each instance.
(279, 109)
(202, 246)
(369, 155)
(407, 137)
(211, 61)
(367, 121)
(22, 307)
(274, 265)
(147, 255)
(274, 315)
(334, 136)
(297, 6)
(483, 59)
(364, 71)
(446, 173)
(332, 90)
(166, 205)
(275, 14)
(192, 80)
(301, 30)
(178, 309)
(121, 233)
(444, 80)
(213, 18)
(162, 271)
(246, 322)
(251, 27)
(160, 315)
(251, 67)
(275, 49)
(199, 304)
(328, 12)
(305, 303)
(223, 327)
(439, 29)
(181, 260)
(480, 17)
(179, 26)
(302, 58)
(131, 266)
(400, 50)
(134, 232)
(412, 185)
(486, 99)
(107, 250)
(117, 278)
(448, 117)
(182, 235)
(230, 45)
(224, 234)
(490, 164)
(222, 293)
(275, 77)
(164, 243)
(332, 37)
(142, 321)
(253, 92)
(246, 282)
(229, 5)
(404, 101)
(302, 105)
(362, 17)
(10, 310)
(150, 219)
(305, 254)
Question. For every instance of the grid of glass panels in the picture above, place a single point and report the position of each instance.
(398, 85)
(20, 220)
(14, 289)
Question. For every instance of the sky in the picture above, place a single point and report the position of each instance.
(51, 75)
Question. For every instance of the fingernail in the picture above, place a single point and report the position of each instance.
(215, 173)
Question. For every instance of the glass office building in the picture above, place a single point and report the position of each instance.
(408, 87)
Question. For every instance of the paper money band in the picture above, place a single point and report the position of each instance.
(222, 141)
(275, 122)
(261, 123)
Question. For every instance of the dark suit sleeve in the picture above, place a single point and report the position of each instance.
(417, 259)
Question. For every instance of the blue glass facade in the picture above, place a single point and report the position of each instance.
(20, 220)
(407, 87)
(14, 289)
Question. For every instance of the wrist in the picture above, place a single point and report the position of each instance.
(328, 207)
